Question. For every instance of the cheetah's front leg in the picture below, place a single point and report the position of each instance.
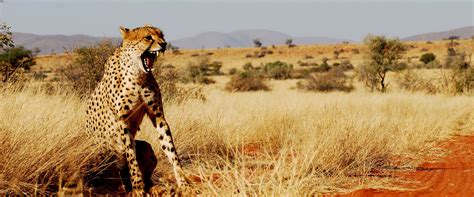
(155, 112)
(127, 147)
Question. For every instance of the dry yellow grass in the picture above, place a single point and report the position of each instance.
(282, 142)
(300, 143)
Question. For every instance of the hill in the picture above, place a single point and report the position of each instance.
(56, 43)
(464, 32)
(241, 38)
(244, 38)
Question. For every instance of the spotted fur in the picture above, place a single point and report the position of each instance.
(125, 94)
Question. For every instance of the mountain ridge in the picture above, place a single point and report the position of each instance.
(58, 43)
(462, 32)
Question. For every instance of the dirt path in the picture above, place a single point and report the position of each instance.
(454, 176)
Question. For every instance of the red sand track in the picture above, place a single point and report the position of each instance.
(454, 176)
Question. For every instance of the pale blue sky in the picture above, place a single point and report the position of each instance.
(350, 19)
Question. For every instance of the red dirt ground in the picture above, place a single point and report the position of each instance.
(453, 176)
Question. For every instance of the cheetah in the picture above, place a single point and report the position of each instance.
(127, 92)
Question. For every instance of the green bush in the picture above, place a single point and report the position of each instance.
(250, 80)
(14, 61)
(334, 80)
(232, 71)
(87, 68)
(431, 65)
(346, 65)
(200, 70)
(306, 64)
(427, 58)
(278, 70)
(168, 77)
(248, 66)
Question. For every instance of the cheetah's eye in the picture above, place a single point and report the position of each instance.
(148, 37)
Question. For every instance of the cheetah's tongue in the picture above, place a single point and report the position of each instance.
(149, 62)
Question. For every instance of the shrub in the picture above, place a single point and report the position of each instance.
(14, 61)
(346, 65)
(324, 65)
(305, 64)
(278, 70)
(248, 66)
(459, 77)
(336, 53)
(412, 81)
(260, 53)
(355, 51)
(249, 80)
(168, 77)
(87, 68)
(200, 70)
(305, 72)
(232, 71)
(334, 80)
(431, 65)
(427, 58)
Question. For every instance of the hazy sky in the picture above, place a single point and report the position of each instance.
(350, 19)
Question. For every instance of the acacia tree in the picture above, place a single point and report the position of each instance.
(257, 43)
(289, 43)
(381, 55)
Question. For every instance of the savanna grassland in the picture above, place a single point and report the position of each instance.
(284, 141)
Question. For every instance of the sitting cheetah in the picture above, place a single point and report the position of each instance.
(125, 94)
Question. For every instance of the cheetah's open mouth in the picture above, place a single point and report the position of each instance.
(148, 59)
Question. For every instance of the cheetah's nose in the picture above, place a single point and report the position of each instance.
(163, 45)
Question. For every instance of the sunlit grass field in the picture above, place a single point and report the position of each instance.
(281, 142)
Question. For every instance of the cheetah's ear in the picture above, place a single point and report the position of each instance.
(124, 31)
(147, 25)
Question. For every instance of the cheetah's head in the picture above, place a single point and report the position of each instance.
(145, 43)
